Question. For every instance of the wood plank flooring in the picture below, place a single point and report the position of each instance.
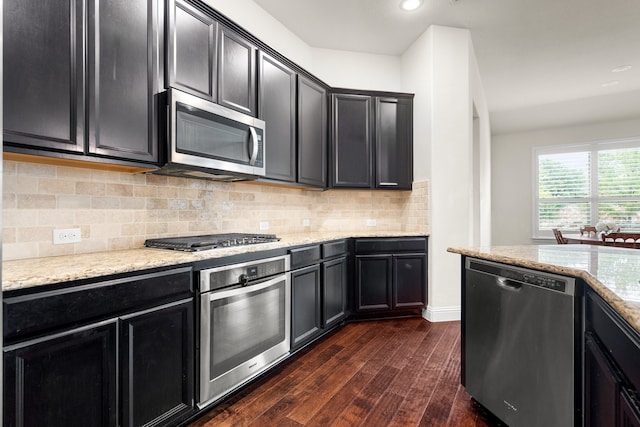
(401, 372)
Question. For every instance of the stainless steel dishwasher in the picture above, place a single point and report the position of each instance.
(518, 346)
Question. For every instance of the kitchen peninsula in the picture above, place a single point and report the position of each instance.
(604, 317)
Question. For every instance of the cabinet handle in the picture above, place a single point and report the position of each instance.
(254, 146)
(389, 184)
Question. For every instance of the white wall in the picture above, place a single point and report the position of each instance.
(512, 165)
(440, 68)
(355, 70)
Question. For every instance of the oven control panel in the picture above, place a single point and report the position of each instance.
(242, 274)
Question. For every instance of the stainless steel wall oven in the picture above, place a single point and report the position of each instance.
(244, 323)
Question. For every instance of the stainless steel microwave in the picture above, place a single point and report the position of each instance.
(207, 140)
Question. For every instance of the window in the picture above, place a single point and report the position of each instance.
(586, 184)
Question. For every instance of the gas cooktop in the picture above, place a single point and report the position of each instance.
(209, 241)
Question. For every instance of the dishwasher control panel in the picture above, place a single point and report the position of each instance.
(531, 277)
(545, 282)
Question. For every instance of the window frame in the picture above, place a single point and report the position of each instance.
(593, 148)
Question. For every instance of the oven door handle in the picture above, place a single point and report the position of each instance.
(212, 296)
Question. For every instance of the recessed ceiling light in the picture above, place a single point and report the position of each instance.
(611, 83)
(621, 68)
(410, 5)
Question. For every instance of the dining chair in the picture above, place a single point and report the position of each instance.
(588, 229)
(559, 239)
(622, 239)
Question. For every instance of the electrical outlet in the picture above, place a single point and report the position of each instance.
(264, 225)
(66, 235)
(306, 223)
(371, 223)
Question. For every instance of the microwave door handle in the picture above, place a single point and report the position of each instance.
(254, 146)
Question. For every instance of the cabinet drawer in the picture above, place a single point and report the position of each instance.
(301, 257)
(391, 245)
(332, 249)
(619, 339)
(28, 315)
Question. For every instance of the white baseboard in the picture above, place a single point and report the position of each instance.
(442, 314)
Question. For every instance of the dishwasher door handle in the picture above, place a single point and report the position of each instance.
(508, 285)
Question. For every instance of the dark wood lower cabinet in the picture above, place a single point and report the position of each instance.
(157, 365)
(602, 387)
(390, 283)
(66, 380)
(629, 409)
(334, 274)
(305, 303)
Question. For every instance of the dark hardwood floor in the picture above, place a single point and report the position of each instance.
(403, 372)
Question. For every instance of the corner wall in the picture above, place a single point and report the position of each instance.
(440, 68)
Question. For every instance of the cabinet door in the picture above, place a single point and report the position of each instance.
(277, 100)
(312, 133)
(191, 50)
(352, 141)
(157, 365)
(43, 78)
(305, 301)
(373, 282)
(334, 295)
(409, 281)
(66, 380)
(124, 40)
(602, 387)
(236, 72)
(394, 143)
(629, 409)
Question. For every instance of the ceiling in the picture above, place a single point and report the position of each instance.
(543, 63)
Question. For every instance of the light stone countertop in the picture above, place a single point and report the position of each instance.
(614, 273)
(27, 273)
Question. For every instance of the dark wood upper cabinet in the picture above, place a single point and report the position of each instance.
(372, 140)
(312, 133)
(352, 141)
(192, 50)
(236, 72)
(394, 143)
(43, 78)
(277, 107)
(123, 38)
(46, 82)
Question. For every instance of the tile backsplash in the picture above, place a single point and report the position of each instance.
(118, 210)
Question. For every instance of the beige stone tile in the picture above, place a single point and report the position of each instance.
(36, 169)
(49, 249)
(36, 201)
(121, 190)
(9, 201)
(8, 235)
(133, 229)
(118, 243)
(58, 218)
(74, 202)
(20, 184)
(9, 168)
(20, 250)
(34, 234)
(105, 202)
(145, 191)
(91, 188)
(89, 216)
(135, 203)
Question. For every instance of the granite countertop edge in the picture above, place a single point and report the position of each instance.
(33, 272)
(628, 311)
